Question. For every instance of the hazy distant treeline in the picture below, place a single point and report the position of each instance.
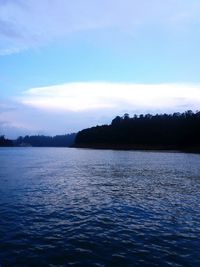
(46, 141)
(178, 130)
(5, 142)
(40, 141)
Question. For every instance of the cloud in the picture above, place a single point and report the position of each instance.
(71, 107)
(114, 97)
(27, 24)
(23, 120)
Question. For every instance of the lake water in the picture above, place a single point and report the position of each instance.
(82, 207)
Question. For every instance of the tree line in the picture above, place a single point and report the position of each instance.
(66, 140)
(5, 142)
(167, 131)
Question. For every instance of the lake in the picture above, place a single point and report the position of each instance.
(80, 207)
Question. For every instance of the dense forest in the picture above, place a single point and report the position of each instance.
(160, 131)
(46, 141)
(5, 142)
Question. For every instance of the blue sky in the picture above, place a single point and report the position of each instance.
(67, 65)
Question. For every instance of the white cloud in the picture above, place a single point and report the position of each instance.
(25, 24)
(71, 107)
(116, 97)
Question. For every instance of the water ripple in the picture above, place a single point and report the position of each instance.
(76, 207)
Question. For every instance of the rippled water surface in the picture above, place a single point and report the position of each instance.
(76, 207)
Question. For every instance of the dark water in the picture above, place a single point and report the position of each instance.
(73, 207)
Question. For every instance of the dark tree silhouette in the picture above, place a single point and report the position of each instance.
(160, 131)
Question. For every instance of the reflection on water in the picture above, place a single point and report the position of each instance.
(76, 207)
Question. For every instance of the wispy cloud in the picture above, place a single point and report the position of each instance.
(26, 24)
(78, 97)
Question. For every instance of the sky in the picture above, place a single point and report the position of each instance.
(66, 65)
